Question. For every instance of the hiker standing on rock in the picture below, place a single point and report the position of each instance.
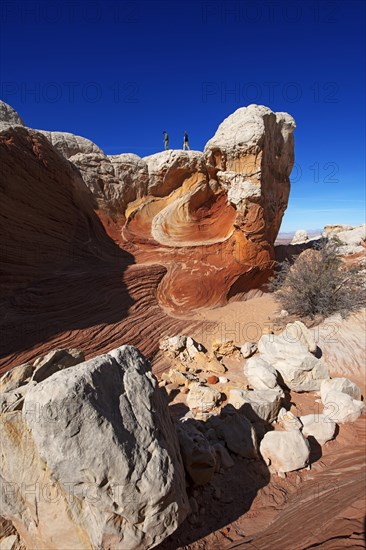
(166, 141)
(185, 142)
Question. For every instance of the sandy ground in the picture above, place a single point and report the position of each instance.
(237, 321)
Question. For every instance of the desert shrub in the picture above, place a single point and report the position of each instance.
(319, 283)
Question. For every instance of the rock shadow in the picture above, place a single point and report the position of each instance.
(291, 251)
(59, 270)
(227, 497)
(315, 449)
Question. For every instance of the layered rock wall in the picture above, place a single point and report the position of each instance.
(210, 217)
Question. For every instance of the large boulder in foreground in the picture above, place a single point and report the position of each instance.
(97, 444)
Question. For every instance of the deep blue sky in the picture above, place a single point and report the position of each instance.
(120, 73)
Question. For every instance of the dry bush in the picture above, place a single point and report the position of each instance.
(319, 283)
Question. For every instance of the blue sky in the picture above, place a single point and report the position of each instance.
(121, 72)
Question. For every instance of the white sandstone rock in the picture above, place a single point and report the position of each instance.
(301, 236)
(9, 116)
(175, 344)
(69, 144)
(114, 180)
(341, 407)
(285, 451)
(343, 385)
(193, 348)
(13, 400)
(18, 376)
(242, 130)
(330, 230)
(97, 439)
(352, 238)
(289, 354)
(297, 331)
(260, 375)
(248, 349)
(288, 420)
(258, 404)
(202, 398)
(320, 426)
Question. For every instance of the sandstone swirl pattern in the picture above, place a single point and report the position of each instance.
(211, 218)
(102, 250)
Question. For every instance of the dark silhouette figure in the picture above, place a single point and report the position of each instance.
(185, 142)
(166, 141)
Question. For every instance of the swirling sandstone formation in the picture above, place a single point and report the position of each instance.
(63, 280)
(100, 250)
(211, 218)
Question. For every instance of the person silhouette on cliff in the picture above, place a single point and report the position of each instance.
(185, 142)
(166, 141)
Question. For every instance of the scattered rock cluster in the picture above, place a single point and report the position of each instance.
(111, 467)
(251, 420)
(192, 367)
(352, 239)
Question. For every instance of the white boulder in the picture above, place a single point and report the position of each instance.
(341, 407)
(288, 420)
(202, 398)
(301, 236)
(258, 404)
(175, 344)
(319, 426)
(290, 354)
(260, 375)
(285, 451)
(343, 385)
(248, 349)
(97, 442)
